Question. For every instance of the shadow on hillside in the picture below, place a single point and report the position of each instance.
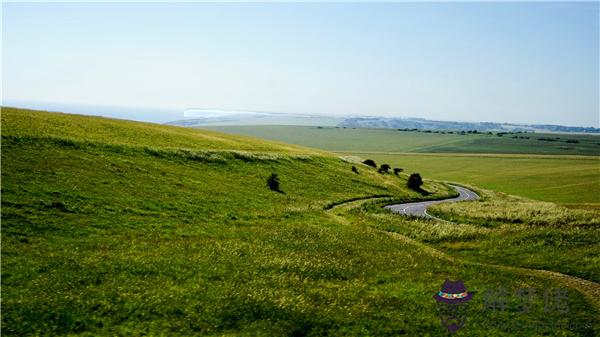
(421, 191)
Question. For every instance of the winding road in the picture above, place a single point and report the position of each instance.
(590, 289)
(420, 208)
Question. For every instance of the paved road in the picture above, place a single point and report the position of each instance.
(420, 208)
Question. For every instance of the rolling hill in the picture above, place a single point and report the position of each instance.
(121, 228)
(518, 164)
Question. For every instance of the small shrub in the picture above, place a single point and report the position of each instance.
(354, 169)
(397, 170)
(415, 181)
(384, 168)
(273, 182)
(574, 141)
(370, 162)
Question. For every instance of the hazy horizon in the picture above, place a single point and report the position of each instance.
(162, 116)
(525, 63)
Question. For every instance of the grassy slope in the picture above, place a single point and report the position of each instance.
(122, 228)
(562, 179)
(526, 175)
(533, 234)
(122, 132)
(392, 140)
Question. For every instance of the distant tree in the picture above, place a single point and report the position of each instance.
(273, 182)
(415, 181)
(572, 141)
(384, 168)
(354, 169)
(370, 162)
(397, 170)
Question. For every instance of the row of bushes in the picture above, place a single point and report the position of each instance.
(555, 139)
(384, 168)
(441, 131)
(414, 180)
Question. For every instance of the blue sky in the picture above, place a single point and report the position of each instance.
(503, 62)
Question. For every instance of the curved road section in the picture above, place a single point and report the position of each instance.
(420, 208)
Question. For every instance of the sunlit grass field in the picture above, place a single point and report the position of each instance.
(525, 167)
(561, 179)
(532, 234)
(115, 228)
(393, 140)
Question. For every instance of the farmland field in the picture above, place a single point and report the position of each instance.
(561, 179)
(392, 140)
(117, 228)
(569, 179)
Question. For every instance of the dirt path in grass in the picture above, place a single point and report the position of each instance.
(420, 208)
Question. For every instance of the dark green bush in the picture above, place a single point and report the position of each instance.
(384, 168)
(415, 181)
(370, 162)
(273, 182)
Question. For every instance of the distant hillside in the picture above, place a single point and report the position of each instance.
(420, 123)
(345, 139)
(201, 117)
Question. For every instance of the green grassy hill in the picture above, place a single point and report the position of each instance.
(570, 180)
(122, 228)
(554, 171)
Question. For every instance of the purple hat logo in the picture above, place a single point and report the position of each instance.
(452, 304)
(453, 292)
